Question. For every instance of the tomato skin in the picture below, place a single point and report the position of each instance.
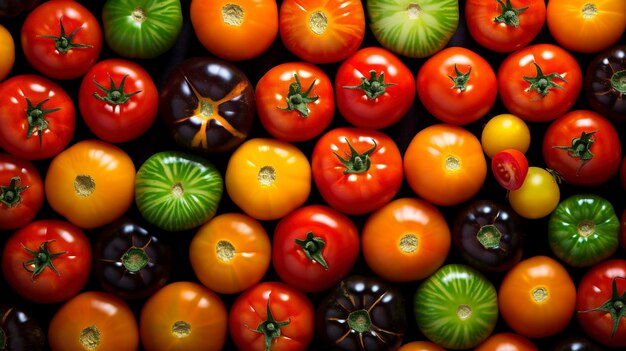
(7, 52)
(73, 263)
(506, 342)
(538, 196)
(505, 131)
(421, 346)
(510, 168)
(622, 235)
(603, 88)
(386, 108)
(19, 209)
(20, 329)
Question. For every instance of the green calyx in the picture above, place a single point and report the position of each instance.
(373, 87)
(359, 321)
(36, 117)
(297, 99)
(64, 42)
(42, 258)
(461, 79)
(489, 236)
(509, 15)
(615, 306)
(313, 247)
(10, 194)
(270, 328)
(581, 148)
(618, 81)
(135, 259)
(357, 163)
(542, 83)
(114, 95)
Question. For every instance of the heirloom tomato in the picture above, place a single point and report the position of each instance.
(538, 196)
(510, 168)
(295, 101)
(506, 342)
(356, 170)
(374, 88)
(20, 330)
(61, 39)
(7, 52)
(21, 192)
(456, 85)
(47, 261)
(38, 117)
(505, 131)
(577, 343)
(605, 83)
(421, 346)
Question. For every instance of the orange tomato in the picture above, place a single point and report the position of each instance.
(7, 52)
(91, 183)
(230, 253)
(421, 346)
(506, 342)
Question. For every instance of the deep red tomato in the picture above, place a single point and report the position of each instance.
(21, 192)
(61, 39)
(272, 316)
(314, 247)
(600, 303)
(510, 168)
(38, 117)
(539, 83)
(118, 100)
(456, 85)
(356, 170)
(583, 147)
(374, 88)
(295, 101)
(47, 261)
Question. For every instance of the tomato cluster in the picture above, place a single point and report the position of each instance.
(303, 174)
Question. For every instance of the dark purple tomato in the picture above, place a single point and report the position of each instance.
(605, 83)
(19, 330)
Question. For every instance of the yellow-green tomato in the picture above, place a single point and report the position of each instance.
(505, 131)
(538, 196)
(7, 52)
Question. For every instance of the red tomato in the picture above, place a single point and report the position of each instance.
(38, 117)
(456, 85)
(539, 83)
(21, 192)
(118, 100)
(61, 39)
(295, 101)
(356, 170)
(47, 261)
(510, 168)
(583, 147)
(374, 88)
(506, 342)
(314, 248)
(271, 316)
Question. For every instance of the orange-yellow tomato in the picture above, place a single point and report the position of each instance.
(7, 52)
(421, 346)
(506, 342)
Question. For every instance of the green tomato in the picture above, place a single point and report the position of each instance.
(583, 230)
(177, 191)
(413, 28)
(457, 307)
(141, 28)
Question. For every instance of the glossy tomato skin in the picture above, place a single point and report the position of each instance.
(61, 39)
(7, 52)
(21, 192)
(317, 261)
(577, 343)
(356, 170)
(506, 342)
(361, 98)
(583, 147)
(604, 83)
(505, 131)
(538, 196)
(456, 85)
(20, 330)
(118, 100)
(65, 261)
(421, 346)
(52, 117)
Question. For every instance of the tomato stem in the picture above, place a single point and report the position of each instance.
(373, 87)
(509, 15)
(542, 83)
(64, 42)
(135, 259)
(270, 328)
(313, 246)
(618, 81)
(297, 99)
(42, 259)
(581, 148)
(114, 95)
(615, 306)
(489, 236)
(10, 195)
(461, 79)
(36, 117)
(359, 321)
(356, 163)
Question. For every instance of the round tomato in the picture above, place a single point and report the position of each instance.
(322, 31)
(539, 82)
(374, 88)
(538, 196)
(235, 30)
(47, 261)
(20, 330)
(21, 192)
(505, 131)
(421, 346)
(537, 297)
(38, 117)
(91, 183)
(456, 85)
(510, 168)
(605, 83)
(506, 342)
(314, 248)
(7, 52)
(356, 170)
(61, 39)
(118, 100)
(230, 253)
(295, 101)
(183, 316)
(577, 343)
(445, 165)
(622, 235)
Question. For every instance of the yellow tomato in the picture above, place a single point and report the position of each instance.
(505, 131)
(7, 52)
(538, 196)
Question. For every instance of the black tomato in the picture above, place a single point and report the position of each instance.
(605, 83)
(19, 330)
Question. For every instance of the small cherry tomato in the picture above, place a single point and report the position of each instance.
(538, 196)
(510, 168)
(505, 131)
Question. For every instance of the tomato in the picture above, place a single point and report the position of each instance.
(510, 168)
(605, 83)
(416, 241)
(183, 316)
(506, 342)
(118, 100)
(600, 303)
(622, 235)
(21, 192)
(93, 321)
(505, 131)
(47, 261)
(374, 88)
(537, 297)
(539, 82)
(295, 101)
(583, 147)
(314, 247)
(356, 170)
(271, 316)
(421, 346)
(12, 8)
(38, 117)
(456, 85)
(322, 31)
(20, 330)
(505, 25)
(235, 30)
(7, 52)
(445, 165)
(538, 196)
(586, 26)
(576, 343)
(230, 253)
(91, 183)
(61, 39)
(141, 28)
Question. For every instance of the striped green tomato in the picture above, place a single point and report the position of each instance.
(456, 307)
(413, 28)
(176, 191)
